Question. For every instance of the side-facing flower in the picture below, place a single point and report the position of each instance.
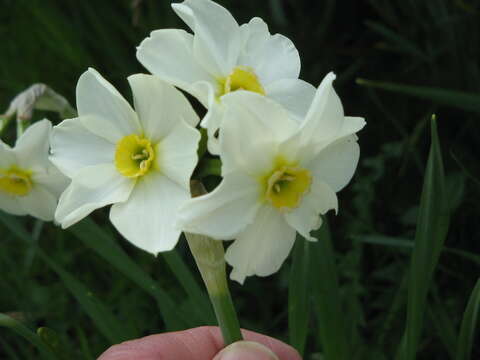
(139, 161)
(222, 57)
(29, 183)
(277, 177)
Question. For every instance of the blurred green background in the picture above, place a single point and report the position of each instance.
(420, 57)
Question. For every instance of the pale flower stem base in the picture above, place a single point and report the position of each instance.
(210, 260)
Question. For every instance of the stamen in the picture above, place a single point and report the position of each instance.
(286, 185)
(134, 156)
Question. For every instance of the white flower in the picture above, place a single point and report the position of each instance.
(29, 183)
(140, 162)
(222, 57)
(277, 177)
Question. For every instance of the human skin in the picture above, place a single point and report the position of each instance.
(201, 343)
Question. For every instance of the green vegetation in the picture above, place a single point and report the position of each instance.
(394, 275)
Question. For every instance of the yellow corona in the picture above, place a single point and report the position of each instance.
(286, 185)
(15, 181)
(241, 78)
(134, 156)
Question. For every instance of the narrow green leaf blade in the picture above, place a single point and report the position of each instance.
(104, 245)
(430, 235)
(327, 299)
(195, 293)
(299, 295)
(458, 99)
(469, 323)
(16, 326)
(114, 330)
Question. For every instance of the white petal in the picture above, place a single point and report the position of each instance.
(74, 147)
(39, 202)
(93, 187)
(52, 180)
(211, 121)
(177, 154)
(103, 110)
(273, 57)
(10, 204)
(147, 219)
(318, 200)
(217, 37)
(351, 125)
(336, 164)
(7, 156)
(223, 213)
(160, 107)
(295, 95)
(168, 54)
(250, 132)
(31, 149)
(325, 117)
(262, 247)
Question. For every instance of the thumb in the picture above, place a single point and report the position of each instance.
(246, 350)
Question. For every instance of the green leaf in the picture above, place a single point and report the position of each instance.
(469, 323)
(327, 299)
(16, 326)
(299, 294)
(196, 295)
(94, 237)
(432, 227)
(458, 99)
(402, 43)
(114, 330)
(408, 244)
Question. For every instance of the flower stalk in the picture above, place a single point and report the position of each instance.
(210, 260)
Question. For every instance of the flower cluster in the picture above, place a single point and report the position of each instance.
(286, 147)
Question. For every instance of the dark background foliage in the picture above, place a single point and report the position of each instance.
(432, 44)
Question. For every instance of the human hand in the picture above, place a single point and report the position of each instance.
(202, 343)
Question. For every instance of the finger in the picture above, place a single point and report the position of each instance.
(201, 343)
(246, 350)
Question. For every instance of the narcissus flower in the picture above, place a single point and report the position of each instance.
(139, 161)
(29, 183)
(277, 177)
(223, 57)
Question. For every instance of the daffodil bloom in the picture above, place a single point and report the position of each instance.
(278, 177)
(139, 161)
(29, 183)
(223, 57)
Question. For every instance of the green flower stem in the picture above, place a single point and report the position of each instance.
(210, 259)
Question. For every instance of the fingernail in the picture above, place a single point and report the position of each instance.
(246, 350)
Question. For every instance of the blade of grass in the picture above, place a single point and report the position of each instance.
(408, 244)
(190, 285)
(402, 43)
(443, 323)
(299, 295)
(114, 330)
(30, 336)
(430, 235)
(469, 323)
(327, 299)
(458, 99)
(94, 237)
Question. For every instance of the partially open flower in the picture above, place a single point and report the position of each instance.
(223, 57)
(29, 183)
(139, 161)
(278, 177)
